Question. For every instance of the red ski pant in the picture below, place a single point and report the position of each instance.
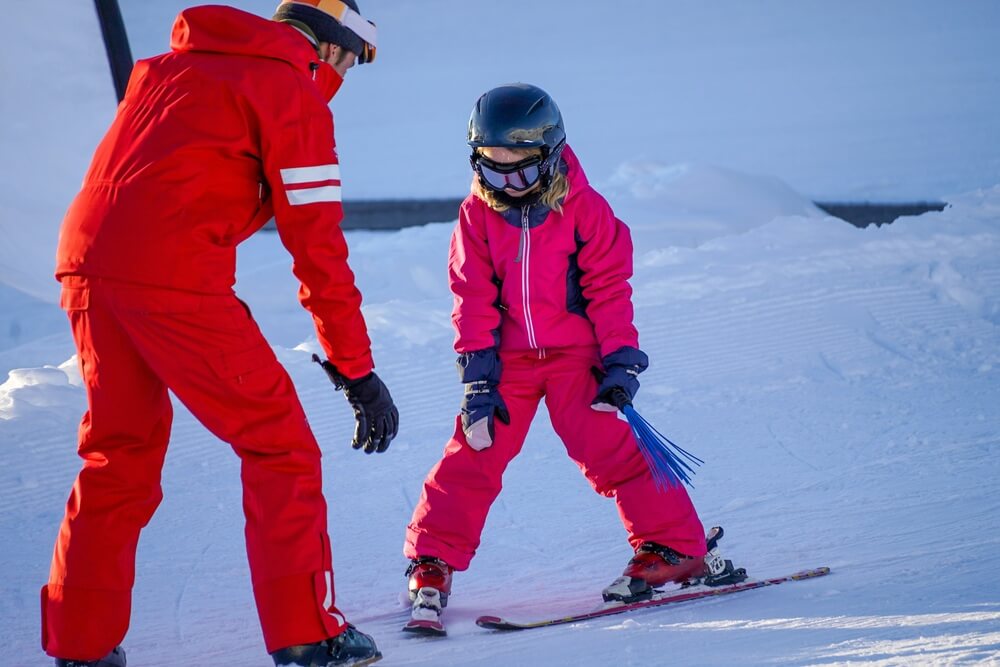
(134, 344)
(457, 494)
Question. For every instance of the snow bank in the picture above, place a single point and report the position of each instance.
(29, 392)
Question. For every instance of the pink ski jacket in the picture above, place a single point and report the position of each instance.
(212, 139)
(534, 279)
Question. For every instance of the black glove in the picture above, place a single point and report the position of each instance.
(376, 415)
(482, 403)
(619, 381)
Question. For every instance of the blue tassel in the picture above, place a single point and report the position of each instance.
(665, 459)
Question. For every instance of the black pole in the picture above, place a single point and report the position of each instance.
(115, 43)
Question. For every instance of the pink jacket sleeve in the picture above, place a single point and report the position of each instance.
(472, 279)
(606, 266)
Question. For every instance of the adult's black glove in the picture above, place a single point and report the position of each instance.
(376, 417)
(482, 403)
(619, 381)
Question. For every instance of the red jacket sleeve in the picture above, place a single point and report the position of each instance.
(475, 314)
(303, 173)
(605, 261)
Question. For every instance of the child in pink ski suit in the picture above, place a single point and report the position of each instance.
(539, 268)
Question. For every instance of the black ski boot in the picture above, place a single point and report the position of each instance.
(114, 659)
(351, 647)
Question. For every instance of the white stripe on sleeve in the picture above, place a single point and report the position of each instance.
(313, 195)
(324, 172)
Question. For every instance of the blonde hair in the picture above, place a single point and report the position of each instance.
(551, 198)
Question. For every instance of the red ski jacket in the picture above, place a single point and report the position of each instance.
(228, 129)
(523, 281)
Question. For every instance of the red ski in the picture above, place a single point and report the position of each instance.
(426, 627)
(658, 600)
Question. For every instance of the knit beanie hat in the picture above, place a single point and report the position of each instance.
(325, 26)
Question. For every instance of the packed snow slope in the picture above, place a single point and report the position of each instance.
(841, 384)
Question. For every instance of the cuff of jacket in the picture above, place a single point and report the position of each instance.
(354, 369)
(627, 356)
(481, 365)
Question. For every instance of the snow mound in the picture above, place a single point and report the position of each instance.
(31, 390)
(693, 203)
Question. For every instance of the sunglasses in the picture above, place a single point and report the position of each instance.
(517, 176)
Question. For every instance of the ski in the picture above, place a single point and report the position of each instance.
(658, 600)
(426, 627)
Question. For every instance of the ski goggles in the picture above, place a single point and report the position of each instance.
(351, 20)
(517, 176)
(367, 54)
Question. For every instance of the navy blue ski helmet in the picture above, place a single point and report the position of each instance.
(517, 115)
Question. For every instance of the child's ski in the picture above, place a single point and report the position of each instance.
(659, 599)
(425, 626)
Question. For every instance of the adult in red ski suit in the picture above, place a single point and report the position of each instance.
(539, 273)
(214, 138)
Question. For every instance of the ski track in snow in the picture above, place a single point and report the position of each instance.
(842, 390)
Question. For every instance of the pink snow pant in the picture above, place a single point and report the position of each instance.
(134, 344)
(459, 490)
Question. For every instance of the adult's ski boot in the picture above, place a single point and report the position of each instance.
(116, 658)
(350, 648)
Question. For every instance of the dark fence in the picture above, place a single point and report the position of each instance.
(864, 214)
(398, 213)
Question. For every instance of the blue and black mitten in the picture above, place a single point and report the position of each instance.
(480, 372)
(619, 381)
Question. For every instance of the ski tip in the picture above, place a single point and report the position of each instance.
(483, 621)
(495, 623)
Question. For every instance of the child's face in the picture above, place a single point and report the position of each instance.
(503, 155)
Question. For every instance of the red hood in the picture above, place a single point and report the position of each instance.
(218, 29)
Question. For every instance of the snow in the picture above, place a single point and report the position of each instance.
(841, 384)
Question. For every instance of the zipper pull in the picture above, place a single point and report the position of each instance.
(524, 232)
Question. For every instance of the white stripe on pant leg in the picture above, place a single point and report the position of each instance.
(324, 172)
(326, 193)
(328, 600)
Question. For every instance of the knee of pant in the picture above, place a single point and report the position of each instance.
(607, 482)
(473, 482)
(600, 483)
